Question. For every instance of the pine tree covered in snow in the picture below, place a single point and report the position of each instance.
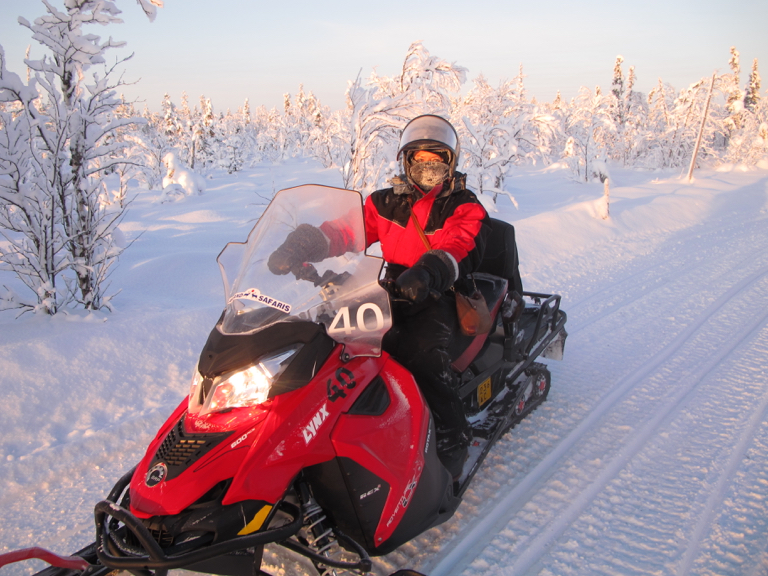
(734, 97)
(618, 105)
(752, 96)
(204, 137)
(629, 115)
(173, 130)
(749, 145)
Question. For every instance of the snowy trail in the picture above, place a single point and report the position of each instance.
(756, 419)
(663, 270)
(533, 549)
(539, 545)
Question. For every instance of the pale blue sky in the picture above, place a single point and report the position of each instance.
(232, 49)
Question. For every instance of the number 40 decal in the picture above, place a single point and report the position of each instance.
(342, 321)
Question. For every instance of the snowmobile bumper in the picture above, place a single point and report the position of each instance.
(124, 542)
(115, 552)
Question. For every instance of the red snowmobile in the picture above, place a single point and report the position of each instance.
(299, 431)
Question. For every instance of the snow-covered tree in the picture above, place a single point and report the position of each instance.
(29, 220)
(68, 108)
(205, 144)
(635, 133)
(618, 103)
(673, 121)
(752, 93)
(378, 110)
(131, 164)
(330, 140)
(173, 129)
(147, 145)
(628, 115)
(590, 129)
(734, 96)
(499, 129)
(750, 144)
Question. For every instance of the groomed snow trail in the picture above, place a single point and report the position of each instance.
(649, 456)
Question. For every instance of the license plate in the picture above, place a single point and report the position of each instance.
(484, 392)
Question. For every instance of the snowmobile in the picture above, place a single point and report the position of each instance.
(299, 431)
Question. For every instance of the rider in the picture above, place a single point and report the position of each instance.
(423, 260)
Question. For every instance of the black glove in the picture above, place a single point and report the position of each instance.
(432, 272)
(414, 284)
(305, 244)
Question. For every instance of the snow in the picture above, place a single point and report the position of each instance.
(649, 456)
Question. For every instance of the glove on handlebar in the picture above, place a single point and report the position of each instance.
(430, 273)
(305, 244)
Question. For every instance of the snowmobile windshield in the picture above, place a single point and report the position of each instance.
(341, 292)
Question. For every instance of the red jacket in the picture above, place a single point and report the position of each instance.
(454, 222)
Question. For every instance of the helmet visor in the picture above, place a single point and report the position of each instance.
(426, 132)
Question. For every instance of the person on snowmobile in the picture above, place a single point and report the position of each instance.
(432, 232)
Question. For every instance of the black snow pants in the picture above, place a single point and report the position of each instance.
(419, 340)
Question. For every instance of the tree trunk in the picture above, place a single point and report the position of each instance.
(701, 128)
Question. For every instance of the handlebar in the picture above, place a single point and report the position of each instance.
(307, 271)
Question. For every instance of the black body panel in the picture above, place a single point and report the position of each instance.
(432, 502)
(225, 352)
(330, 487)
(374, 400)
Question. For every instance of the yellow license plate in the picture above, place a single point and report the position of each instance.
(484, 392)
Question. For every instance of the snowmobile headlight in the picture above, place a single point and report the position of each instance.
(240, 388)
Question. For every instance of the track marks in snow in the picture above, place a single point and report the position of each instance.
(656, 538)
(653, 274)
(584, 486)
(717, 495)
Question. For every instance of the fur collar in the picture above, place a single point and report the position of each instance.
(400, 184)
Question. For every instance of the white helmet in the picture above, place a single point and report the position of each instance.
(429, 132)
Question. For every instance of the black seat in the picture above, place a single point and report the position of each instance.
(500, 258)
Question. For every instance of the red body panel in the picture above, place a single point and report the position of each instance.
(173, 496)
(389, 445)
(271, 443)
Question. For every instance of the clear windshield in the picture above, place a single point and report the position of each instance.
(341, 292)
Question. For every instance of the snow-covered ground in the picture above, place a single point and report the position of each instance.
(649, 457)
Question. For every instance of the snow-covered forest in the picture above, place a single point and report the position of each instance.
(70, 144)
(501, 127)
(649, 455)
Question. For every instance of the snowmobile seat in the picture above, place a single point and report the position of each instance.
(500, 258)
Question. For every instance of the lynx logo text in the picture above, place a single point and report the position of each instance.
(310, 430)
